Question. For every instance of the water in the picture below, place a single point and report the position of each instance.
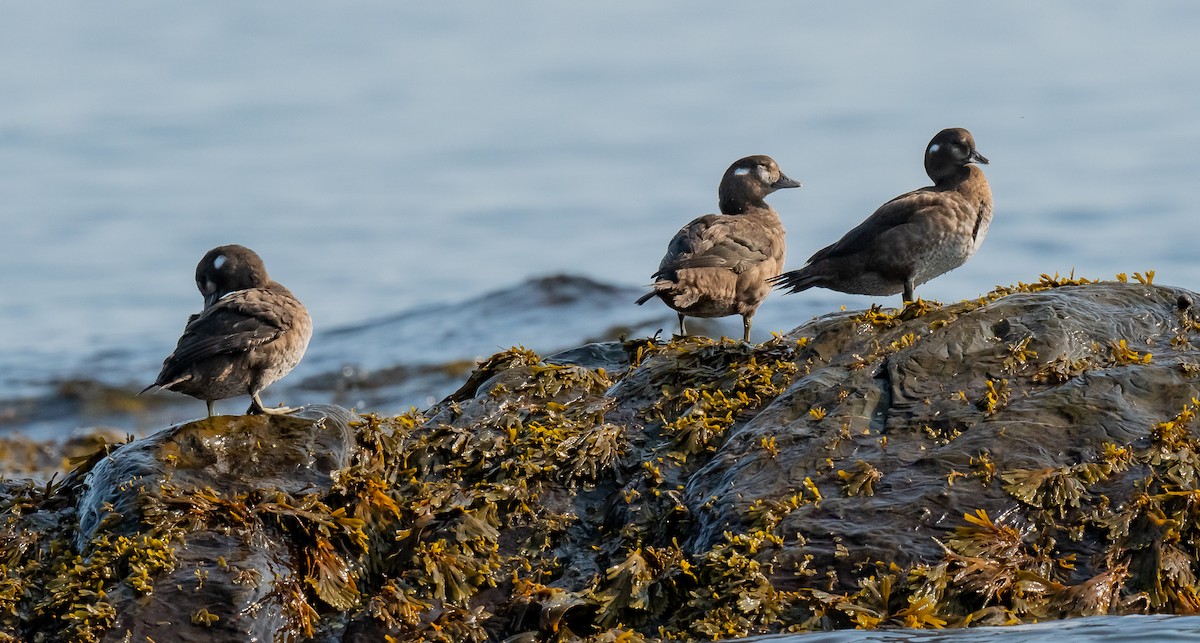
(403, 167)
(389, 157)
(1096, 629)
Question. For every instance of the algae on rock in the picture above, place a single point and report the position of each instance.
(1029, 455)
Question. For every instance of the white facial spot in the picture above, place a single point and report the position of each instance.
(933, 148)
(764, 174)
(209, 287)
(218, 261)
(741, 171)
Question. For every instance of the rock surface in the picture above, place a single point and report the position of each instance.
(1026, 456)
(163, 547)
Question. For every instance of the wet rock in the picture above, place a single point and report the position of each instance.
(226, 582)
(229, 454)
(156, 539)
(1040, 380)
(610, 356)
(1026, 456)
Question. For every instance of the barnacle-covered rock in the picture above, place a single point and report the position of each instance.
(1029, 455)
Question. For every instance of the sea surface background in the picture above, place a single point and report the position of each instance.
(415, 171)
(400, 160)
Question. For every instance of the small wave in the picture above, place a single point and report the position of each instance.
(385, 365)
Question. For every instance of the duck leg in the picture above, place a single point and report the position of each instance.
(257, 408)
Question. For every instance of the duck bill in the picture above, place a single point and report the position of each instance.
(976, 157)
(785, 182)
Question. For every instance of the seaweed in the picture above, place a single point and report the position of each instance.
(553, 502)
(48, 586)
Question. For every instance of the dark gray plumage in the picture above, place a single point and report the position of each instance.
(718, 264)
(914, 237)
(252, 332)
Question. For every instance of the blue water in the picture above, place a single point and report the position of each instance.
(1095, 629)
(386, 158)
(383, 157)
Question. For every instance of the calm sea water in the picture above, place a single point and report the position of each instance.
(1096, 629)
(385, 157)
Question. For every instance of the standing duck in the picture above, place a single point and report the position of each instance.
(718, 264)
(251, 332)
(914, 237)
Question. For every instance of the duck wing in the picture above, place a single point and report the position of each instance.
(736, 243)
(894, 216)
(239, 322)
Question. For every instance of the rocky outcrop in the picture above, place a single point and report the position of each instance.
(155, 539)
(1029, 455)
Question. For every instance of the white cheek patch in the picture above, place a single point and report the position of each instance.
(933, 148)
(218, 261)
(741, 171)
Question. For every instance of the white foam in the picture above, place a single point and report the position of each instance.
(218, 261)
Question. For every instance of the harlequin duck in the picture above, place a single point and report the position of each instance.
(251, 332)
(914, 237)
(718, 264)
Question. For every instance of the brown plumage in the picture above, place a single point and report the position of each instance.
(718, 264)
(252, 332)
(914, 237)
